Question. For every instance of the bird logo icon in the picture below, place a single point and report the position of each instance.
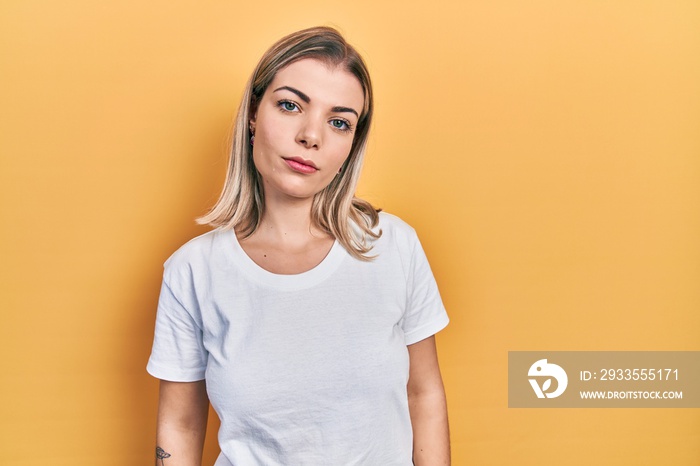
(543, 370)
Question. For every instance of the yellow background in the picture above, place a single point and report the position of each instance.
(547, 152)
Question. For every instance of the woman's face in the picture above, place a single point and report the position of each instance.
(304, 127)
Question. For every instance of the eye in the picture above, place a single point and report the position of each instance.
(341, 125)
(288, 106)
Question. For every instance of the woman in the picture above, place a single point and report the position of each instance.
(307, 318)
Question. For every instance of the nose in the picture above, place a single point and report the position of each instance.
(309, 134)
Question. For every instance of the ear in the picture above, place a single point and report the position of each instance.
(253, 114)
(251, 124)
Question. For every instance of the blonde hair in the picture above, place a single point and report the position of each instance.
(335, 209)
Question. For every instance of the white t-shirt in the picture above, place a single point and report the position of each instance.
(307, 369)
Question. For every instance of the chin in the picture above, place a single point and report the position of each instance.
(296, 191)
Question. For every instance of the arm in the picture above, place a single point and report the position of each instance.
(427, 406)
(183, 408)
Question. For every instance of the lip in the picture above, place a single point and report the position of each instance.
(301, 165)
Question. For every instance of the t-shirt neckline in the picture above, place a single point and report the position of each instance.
(285, 282)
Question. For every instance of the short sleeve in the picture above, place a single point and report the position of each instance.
(178, 352)
(425, 313)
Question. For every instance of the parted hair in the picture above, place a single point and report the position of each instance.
(335, 209)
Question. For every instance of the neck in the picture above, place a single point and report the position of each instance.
(288, 220)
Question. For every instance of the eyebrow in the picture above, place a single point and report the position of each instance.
(345, 109)
(307, 99)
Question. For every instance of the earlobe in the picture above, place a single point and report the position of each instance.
(251, 122)
(253, 113)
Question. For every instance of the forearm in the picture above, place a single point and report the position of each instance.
(179, 447)
(182, 421)
(431, 437)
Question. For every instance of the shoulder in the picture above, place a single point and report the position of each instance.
(196, 254)
(396, 233)
(393, 226)
(195, 248)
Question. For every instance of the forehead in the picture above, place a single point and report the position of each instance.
(325, 84)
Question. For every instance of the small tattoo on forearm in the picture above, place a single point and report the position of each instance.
(161, 455)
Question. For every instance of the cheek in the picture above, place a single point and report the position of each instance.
(268, 146)
(265, 136)
(342, 152)
(270, 128)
